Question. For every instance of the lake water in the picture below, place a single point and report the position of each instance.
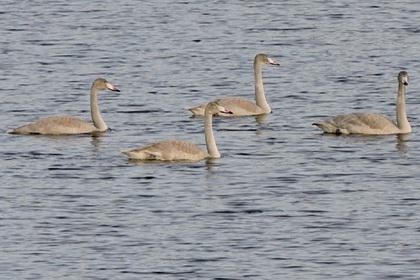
(283, 202)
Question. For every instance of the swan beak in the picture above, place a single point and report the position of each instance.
(112, 87)
(272, 61)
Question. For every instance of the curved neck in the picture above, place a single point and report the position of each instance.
(259, 87)
(210, 141)
(402, 121)
(97, 119)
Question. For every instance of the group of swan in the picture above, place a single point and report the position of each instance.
(357, 123)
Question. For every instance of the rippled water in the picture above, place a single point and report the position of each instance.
(284, 201)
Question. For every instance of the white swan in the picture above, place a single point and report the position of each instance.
(59, 125)
(368, 123)
(242, 107)
(173, 150)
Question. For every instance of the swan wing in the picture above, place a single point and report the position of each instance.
(240, 106)
(237, 105)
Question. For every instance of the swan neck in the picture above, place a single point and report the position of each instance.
(210, 141)
(260, 99)
(97, 119)
(402, 120)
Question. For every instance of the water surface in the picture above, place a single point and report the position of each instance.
(284, 201)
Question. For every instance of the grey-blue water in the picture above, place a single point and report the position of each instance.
(283, 202)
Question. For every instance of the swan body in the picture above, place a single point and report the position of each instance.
(64, 125)
(359, 123)
(240, 106)
(170, 150)
(175, 150)
(369, 123)
(56, 126)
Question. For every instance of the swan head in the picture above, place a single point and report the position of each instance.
(215, 108)
(103, 84)
(265, 59)
(403, 78)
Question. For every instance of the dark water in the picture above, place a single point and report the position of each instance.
(284, 201)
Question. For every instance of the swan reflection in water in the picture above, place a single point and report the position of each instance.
(402, 140)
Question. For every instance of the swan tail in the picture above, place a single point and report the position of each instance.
(22, 130)
(125, 152)
(325, 127)
(142, 154)
(130, 154)
(13, 131)
(330, 128)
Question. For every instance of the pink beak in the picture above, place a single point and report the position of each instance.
(272, 61)
(226, 111)
(112, 87)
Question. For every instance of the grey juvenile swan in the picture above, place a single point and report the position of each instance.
(369, 123)
(242, 107)
(61, 125)
(173, 150)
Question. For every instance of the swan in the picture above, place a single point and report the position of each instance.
(172, 150)
(240, 106)
(369, 123)
(60, 125)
